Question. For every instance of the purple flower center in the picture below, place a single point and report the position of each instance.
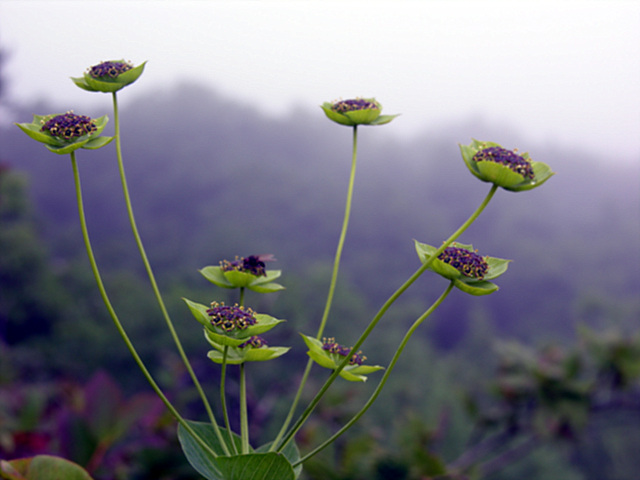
(252, 264)
(355, 104)
(468, 263)
(331, 346)
(109, 69)
(68, 126)
(231, 318)
(255, 342)
(509, 158)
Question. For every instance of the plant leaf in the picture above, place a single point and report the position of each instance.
(252, 466)
(42, 467)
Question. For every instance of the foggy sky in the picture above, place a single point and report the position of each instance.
(564, 72)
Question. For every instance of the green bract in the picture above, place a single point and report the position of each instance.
(238, 355)
(358, 111)
(471, 285)
(105, 76)
(326, 359)
(236, 279)
(63, 144)
(523, 174)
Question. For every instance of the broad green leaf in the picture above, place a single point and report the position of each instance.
(256, 466)
(198, 457)
(42, 467)
(290, 452)
(252, 466)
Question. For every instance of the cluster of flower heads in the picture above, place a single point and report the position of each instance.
(465, 261)
(109, 69)
(343, 106)
(508, 158)
(68, 125)
(230, 318)
(255, 342)
(252, 264)
(331, 346)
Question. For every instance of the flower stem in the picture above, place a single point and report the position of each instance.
(223, 399)
(114, 316)
(384, 379)
(244, 417)
(152, 279)
(343, 234)
(332, 286)
(314, 402)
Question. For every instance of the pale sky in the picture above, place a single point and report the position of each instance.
(562, 72)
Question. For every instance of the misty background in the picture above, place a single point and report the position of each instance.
(215, 174)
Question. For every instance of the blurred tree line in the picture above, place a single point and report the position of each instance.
(212, 178)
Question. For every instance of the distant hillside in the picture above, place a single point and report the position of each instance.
(212, 178)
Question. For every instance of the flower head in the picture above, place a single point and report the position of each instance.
(249, 272)
(66, 132)
(253, 264)
(230, 325)
(230, 318)
(508, 169)
(357, 111)
(109, 76)
(464, 267)
(330, 354)
(467, 262)
(331, 346)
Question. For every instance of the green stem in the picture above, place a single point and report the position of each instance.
(314, 402)
(223, 399)
(343, 234)
(384, 379)
(244, 417)
(152, 279)
(241, 296)
(332, 286)
(116, 320)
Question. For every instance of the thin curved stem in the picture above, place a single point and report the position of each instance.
(152, 280)
(332, 285)
(383, 380)
(114, 316)
(244, 416)
(223, 399)
(343, 234)
(314, 402)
